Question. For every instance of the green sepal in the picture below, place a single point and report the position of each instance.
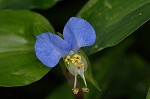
(88, 73)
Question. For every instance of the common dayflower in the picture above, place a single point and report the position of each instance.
(50, 48)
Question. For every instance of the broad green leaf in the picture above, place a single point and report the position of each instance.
(148, 94)
(114, 20)
(26, 4)
(18, 63)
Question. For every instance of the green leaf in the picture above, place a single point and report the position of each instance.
(26, 4)
(18, 63)
(114, 20)
(148, 94)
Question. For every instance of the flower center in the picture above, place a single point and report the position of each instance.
(77, 65)
(75, 60)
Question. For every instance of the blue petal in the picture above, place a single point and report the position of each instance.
(49, 48)
(78, 32)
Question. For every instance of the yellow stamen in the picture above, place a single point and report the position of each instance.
(74, 61)
(85, 90)
(77, 57)
(68, 59)
(75, 90)
(79, 66)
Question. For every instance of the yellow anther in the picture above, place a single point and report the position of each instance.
(74, 61)
(68, 59)
(79, 66)
(85, 90)
(75, 90)
(77, 57)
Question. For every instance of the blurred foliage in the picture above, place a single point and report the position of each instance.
(62, 91)
(26, 4)
(121, 74)
(122, 71)
(148, 94)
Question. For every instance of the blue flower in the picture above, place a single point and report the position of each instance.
(50, 48)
